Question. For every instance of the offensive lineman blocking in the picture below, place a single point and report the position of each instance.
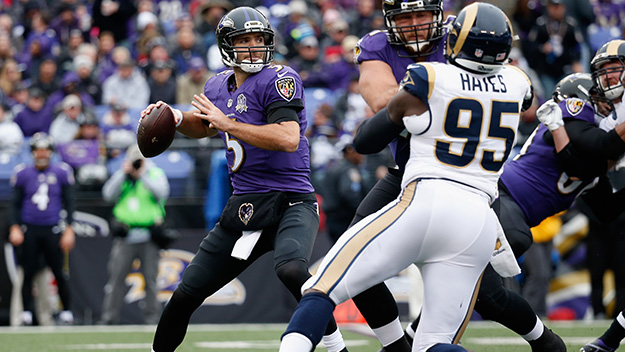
(463, 121)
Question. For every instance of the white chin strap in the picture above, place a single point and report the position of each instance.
(251, 68)
(417, 47)
(247, 65)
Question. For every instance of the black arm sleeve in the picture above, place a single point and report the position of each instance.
(69, 203)
(604, 205)
(15, 211)
(375, 133)
(281, 111)
(587, 154)
(575, 165)
(593, 140)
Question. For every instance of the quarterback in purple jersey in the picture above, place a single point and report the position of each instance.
(40, 192)
(258, 110)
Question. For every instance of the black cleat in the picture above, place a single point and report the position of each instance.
(549, 341)
(596, 346)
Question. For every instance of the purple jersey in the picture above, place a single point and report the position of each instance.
(375, 46)
(80, 152)
(42, 202)
(535, 179)
(252, 169)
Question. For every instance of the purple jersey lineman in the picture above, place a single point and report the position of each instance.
(375, 46)
(252, 169)
(42, 192)
(535, 179)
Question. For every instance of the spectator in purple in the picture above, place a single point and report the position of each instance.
(106, 45)
(64, 23)
(119, 54)
(36, 115)
(69, 86)
(37, 49)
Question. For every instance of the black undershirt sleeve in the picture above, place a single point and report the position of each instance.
(604, 204)
(590, 148)
(595, 141)
(375, 133)
(281, 111)
(15, 211)
(69, 204)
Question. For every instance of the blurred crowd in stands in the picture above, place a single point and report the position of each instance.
(82, 70)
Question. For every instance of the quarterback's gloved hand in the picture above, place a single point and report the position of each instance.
(550, 115)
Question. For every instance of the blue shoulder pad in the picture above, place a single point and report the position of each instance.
(419, 80)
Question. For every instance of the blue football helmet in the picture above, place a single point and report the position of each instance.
(612, 51)
(480, 39)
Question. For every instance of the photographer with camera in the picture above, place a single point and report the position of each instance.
(139, 190)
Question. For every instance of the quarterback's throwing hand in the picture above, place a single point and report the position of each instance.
(209, 112)
(550, 115)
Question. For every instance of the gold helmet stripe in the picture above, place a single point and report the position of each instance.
(612, 49)
(469, 19)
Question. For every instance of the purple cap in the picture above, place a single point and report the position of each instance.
(196, 63)
(69, 78)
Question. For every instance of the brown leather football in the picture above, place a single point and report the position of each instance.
(156, 131)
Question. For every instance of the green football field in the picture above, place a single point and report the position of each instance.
(480, 336)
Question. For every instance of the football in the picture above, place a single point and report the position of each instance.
(156, 131)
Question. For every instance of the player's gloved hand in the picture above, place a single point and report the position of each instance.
(550, 115)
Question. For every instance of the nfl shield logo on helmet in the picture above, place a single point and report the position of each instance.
(286, 88)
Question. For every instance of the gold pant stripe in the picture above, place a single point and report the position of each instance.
(339, 265)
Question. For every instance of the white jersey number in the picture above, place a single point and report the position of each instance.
(237, 149)
(41, 198)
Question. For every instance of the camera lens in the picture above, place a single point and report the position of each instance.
(137, 163)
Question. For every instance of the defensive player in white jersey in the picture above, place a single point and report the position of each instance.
(463, 119)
